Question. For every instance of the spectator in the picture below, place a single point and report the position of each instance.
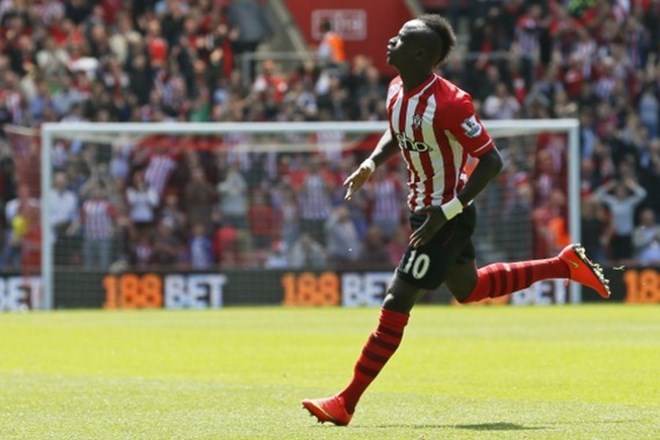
(140, 252)
(261, 219)
(528, 31)
(270, 85)
(518, 237)
(167, 248)
(621, 198)
(31, 242)
(173, 215)
(287, 214)
(233, 198)
(278, 257)
(650, 173)
(550, 231)
(63, 214)
(646, 239)
(342, 238)
(200, 248)
(649, 110)
(140, 79)
(52, 59)
(226, 245)
(142, 203)
(307, 253)
(501, 105)
(17, 215)
(252, 25)
(199, 198)
(315, 201)
(386, 193)
(97, 217)
(156, 44)
(595, 228)
(331, 52)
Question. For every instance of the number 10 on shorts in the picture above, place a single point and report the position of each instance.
(417, 264)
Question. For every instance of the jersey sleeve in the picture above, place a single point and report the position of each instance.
(392, 90)
(466, 127)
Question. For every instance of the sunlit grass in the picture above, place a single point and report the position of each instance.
(589, 372)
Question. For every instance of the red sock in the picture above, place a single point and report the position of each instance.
(381, 345)
(503, 278)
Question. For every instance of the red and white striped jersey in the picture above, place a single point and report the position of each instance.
(98, 219)
(436, 128)
(158, 171)
(387, 198)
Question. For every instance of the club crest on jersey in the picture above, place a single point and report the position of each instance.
(471, 127)
(417, 122)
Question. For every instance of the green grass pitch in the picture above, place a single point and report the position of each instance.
(583, 372)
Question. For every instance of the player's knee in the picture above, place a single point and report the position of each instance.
(399, 299)
(401, 296)
(462, 286)
(398, 304)
(461, 293)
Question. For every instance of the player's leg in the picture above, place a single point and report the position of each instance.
(469, 285)
(420, 269)
(461, 279)
(379, 348)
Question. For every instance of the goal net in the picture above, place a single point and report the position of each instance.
(204, 215)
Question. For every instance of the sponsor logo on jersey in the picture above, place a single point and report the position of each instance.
(405, 143)
(471, 127)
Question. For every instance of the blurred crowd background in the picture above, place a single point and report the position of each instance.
(200, 203)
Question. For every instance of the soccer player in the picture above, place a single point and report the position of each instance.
(434, 127)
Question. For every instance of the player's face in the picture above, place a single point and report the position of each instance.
(402, 48)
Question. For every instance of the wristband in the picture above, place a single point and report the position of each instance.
(369, 164)
(452, 208)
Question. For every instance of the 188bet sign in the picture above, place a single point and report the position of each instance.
(639, 285)
(153, 291)
(349, 289)
(20, 293)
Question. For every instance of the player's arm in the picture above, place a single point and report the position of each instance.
(386, 148)
(465, 126)
(489, 166)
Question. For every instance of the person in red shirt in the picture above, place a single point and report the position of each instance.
(434, 127)
(261, 219)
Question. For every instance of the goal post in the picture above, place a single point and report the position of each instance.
(113, 132)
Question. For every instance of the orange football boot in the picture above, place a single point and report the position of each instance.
(330, 409)
(583, 270)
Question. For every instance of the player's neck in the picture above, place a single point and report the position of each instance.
(413, 80)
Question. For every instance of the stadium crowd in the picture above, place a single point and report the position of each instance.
(195, 202)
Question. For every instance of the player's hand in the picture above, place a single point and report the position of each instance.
(356, 180)
(435, 220)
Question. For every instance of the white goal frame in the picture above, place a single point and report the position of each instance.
(498, 128)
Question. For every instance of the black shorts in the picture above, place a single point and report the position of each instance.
(427, 266)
